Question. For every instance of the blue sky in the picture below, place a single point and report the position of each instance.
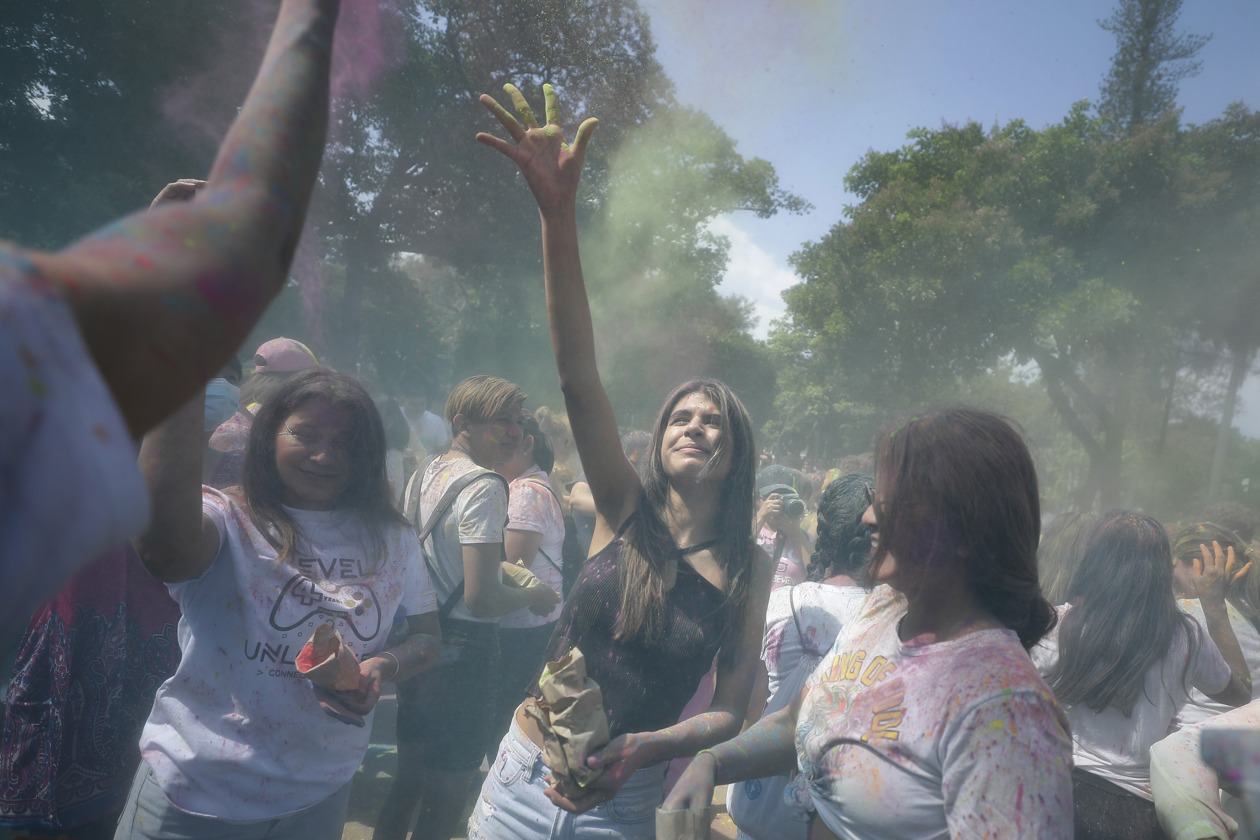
(811, 85)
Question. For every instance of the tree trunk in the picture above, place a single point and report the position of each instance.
(1240, 364)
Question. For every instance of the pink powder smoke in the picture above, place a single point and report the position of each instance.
(198, 109)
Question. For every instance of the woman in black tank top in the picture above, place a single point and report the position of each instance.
(674, 577)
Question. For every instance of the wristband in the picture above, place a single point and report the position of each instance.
(397, 667)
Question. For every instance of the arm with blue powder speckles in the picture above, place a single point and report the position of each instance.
(766, 748)
(163, 297)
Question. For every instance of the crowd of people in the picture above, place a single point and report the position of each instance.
(896, 647)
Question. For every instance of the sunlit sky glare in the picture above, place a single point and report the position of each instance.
(812, 85)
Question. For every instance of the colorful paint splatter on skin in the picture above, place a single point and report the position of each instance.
(192, 278)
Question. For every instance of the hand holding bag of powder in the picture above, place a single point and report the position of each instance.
(327, 663)
(571, 718)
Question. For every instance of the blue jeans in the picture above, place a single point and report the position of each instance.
(149, 815)
(512, 805)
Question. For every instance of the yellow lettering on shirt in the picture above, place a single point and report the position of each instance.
(886, 715)
(853, 666)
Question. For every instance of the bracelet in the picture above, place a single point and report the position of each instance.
(397, 667)
(710, 752)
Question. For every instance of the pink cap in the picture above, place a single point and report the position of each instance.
(283, 355)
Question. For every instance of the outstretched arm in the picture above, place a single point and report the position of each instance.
(553, 169)
(164, 297)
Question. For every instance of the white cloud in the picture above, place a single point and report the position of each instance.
(755, 274)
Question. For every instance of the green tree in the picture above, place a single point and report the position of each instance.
(85, 133)
(1063, 248)
(405, 177)
(1151, 58)
(1225, 274)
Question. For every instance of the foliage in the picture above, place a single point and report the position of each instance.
(84, 131)
(421, 262)
(1151, 57)
(1069, 249)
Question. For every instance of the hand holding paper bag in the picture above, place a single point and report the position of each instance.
(571, 718)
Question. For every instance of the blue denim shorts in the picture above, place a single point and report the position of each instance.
(512, 805)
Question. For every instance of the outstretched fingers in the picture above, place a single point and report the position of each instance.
(501, 114)
(552, 104)
(523, 110)
(584, 133)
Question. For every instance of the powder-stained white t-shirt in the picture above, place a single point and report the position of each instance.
(821, 611)
(1117, 747)
(533, 507)
(69, 486)
(802, 623)
(237, 732)
(1201, 707)
(915, 740)
(478, 516)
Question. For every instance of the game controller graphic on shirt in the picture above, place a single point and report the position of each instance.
(302, 598)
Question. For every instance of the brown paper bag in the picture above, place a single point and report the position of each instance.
(571, 718)
(518, 576)
(683, 825)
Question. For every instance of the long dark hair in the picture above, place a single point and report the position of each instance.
(843, 546)
(367, 492)
(959, 485)
(1124, 617)
(649, 545)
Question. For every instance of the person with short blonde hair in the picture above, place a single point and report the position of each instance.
(481, 398)
(445, 719)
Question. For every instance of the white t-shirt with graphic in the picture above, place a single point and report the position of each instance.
(478, 516)
(69, 486)
(919, 740)
(1116, 746)
(237, 733)
(533, 507)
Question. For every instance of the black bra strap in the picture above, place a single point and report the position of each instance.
(700, 546)
(625, 526)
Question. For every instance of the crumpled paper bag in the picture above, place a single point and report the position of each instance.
(683, 825)
(518, 576)
(571, 718)
(328, 663)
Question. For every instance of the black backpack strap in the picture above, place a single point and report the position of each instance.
(547, 557)
(412, 506)
(800, 634)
